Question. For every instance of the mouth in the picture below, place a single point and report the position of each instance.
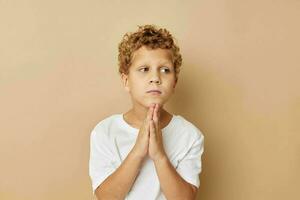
(154, 91)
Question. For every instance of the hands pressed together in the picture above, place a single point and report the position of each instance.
(149, 140)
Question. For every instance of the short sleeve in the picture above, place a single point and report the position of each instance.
(189, 167)
(101, 163)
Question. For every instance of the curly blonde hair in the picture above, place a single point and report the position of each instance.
(151, 37)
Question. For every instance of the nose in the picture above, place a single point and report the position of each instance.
(155, 79)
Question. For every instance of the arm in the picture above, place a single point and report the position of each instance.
(118, 184)
(173, 185)
(118, 181)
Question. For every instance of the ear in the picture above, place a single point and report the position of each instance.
(175, 83)
(125, 81)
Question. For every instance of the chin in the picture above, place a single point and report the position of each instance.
(147, 102)
(156, 102)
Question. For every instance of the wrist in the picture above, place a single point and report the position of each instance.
(161, 158)
(136, 155)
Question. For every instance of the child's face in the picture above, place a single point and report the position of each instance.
(151, 69)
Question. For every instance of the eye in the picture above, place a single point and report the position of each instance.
(142, 69)
(167, 70)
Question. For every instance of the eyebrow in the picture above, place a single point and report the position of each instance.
(159, 63)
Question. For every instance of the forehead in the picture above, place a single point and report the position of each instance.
(148, 55)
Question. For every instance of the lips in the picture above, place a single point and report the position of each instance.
(154, 91)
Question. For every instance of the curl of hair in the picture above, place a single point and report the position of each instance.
(151, 37)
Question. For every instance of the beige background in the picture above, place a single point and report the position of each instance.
(239, 84)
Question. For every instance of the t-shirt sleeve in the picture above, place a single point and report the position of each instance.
(101, 164)
(190, 166)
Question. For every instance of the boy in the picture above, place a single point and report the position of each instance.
(146, 153)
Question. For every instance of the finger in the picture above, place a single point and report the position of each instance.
(152, 128)
(156, 115)
(158, 111)
(150, 113)
(148, 118)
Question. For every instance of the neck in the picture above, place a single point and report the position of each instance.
(138, 113)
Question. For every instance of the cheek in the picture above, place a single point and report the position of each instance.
(172, 84)
(136, 89)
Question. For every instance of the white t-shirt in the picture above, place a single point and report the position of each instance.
(113, 138)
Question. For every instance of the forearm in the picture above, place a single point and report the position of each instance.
(119, 183)
(173, 185)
